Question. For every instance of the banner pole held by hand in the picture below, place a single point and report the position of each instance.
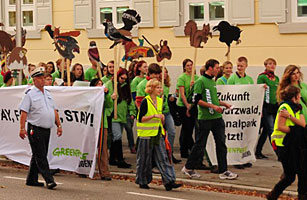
(68, 72)
(194, 65)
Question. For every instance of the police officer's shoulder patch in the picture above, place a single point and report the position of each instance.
(28, 91)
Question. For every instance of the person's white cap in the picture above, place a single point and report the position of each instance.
(38, 71)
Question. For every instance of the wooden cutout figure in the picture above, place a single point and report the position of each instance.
(228, 34)
(65, 44)
(130, 18)
(164, 52)
(197, 36)
(115, 35)
(155, 47)
(93, 54)
(17, 59)
(6, 43)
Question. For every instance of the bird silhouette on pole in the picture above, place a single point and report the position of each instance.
(228, 34)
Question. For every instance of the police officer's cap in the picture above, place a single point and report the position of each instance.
(39, 71)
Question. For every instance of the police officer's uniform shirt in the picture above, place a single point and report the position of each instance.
(39, 107)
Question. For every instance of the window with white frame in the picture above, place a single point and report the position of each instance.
(299, 10)
(111, 10)
(205, 11)
(27, 11)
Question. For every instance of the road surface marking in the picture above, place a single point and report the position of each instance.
(23, 179)
(154, 196)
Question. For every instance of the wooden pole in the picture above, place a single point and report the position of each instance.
(194, 64)
(5, 66)
(99, 70)
(163, 72)
(68, 72)
(115, 81)
(228, 56)
(126, 63)
(116, 68)
(62, 68)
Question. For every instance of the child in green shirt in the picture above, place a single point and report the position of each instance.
(226, 72)
(240, 77)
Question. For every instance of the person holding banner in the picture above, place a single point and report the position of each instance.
(289, 152)
(270, 105)
(39, 110)
(210, 119)
(186, 110)
(151, 140)
(241, 78)
(141, 70)
(125, 106)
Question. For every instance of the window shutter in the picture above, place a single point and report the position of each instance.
(272, 11)
(43, 13)
(241, 11)
(83, 14)
(168, 13)
(145, 10)
(1, 7)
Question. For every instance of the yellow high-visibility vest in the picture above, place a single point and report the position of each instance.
(151, 127)
(277, 135)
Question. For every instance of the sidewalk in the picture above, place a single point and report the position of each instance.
(261, 177)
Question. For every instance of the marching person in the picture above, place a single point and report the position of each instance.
(270, 105)
(226, 73)
(289, 153)
(210, 119)
(187, 112)
(151, 140)
(241, 78)
(39, 110)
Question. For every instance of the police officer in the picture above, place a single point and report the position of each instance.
(38, 108)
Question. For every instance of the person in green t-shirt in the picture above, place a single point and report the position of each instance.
(110, 72)
(226, 73)
(187, 112)
(293, 76)
(240, 77)
(141, 70)
(1, 80)
(125, 105)
(210, 119)
(270, 105)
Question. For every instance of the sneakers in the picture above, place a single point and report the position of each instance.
(190, 173)
(228, 175)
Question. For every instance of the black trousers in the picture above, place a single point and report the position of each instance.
(217, 126)
(186, 134)
(39, 142)
(289, 175)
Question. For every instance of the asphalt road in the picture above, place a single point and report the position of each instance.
(12, 186)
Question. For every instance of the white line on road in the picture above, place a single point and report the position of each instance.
(154, 196)
(23, 179)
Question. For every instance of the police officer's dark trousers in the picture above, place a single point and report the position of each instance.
(39, 142)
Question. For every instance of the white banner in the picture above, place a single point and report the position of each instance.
(80, 110)
(242, 122)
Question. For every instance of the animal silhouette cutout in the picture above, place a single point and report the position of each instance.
(115, 35)
(228, 34)
(65, 44)
(164, 52)
(197, 36)
(17, 59)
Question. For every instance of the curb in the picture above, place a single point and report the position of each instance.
(226, 186)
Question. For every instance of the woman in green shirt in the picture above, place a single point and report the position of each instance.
(270, 105)
(141, 70)
(293, 76)
(124, 105)
(227, 71)
(110, 67)
(188, 114)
